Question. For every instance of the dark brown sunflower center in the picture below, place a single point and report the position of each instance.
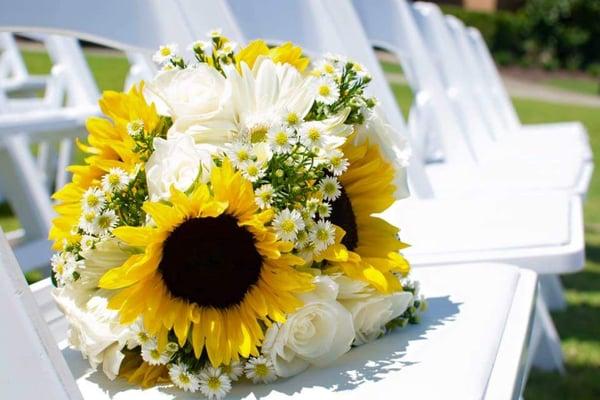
(210, 261)
(343, 216)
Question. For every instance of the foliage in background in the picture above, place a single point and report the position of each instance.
(549, 33)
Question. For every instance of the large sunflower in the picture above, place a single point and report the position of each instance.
(210, 270)
(366, 247)
(109, 145)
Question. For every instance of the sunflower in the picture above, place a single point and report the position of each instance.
(210, 270)
(109, 145)
(366, 246)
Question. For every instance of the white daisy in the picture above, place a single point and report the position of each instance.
(252, 170)
(199, 46)
(63, 265)
(165, 53)
(257, 128)
(338, 164)
(105, 222)
(234, 370)
(287, 224)
(312, 205)
(116, 179)
(259, 369)
(327, 91)
(87, 242)
(152, 355)
(183, 378)
(323, 235)
(213, 33)
(264, 196)
(290, 119)
(86, 221)
(240, 153)
(330, 187)
(324, 210)
(93, 200)
(326, 67)
(214, 384)
(229, 47)
(135, 127)
(139, 336)
(281, 139)
(361, 70)
(312, 135)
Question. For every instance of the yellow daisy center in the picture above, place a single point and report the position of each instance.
(324, 90)
(214, 383)
(314, 134)
(288, 226)
(165, 51)
(292, 118)
(261, 370)
(281, 138)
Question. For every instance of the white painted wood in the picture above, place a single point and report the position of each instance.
(32, 366)
(483, 311)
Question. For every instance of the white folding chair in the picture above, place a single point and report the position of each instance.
(492, 228)
(508, 167)
(14, 75)
(568, 134)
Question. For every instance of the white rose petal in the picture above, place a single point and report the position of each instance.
(317, 334)
(177, 162)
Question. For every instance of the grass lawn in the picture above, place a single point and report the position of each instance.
(578, 85)
(578, 326)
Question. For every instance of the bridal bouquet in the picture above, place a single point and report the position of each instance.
(224, 224)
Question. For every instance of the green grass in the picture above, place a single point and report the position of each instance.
(391, 67)
(577, 85)
(578, 326)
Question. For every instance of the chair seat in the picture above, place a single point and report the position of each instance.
(503, 173)
(469, 307)
(572, 135)
(542, 231)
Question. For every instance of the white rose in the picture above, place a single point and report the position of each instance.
(316, 334)
(93, 329)
(199, 101)
(178, 162)
(394, 147)
(370, 310)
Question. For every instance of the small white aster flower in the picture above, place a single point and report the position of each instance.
(234, 370)
(312, 135)
(360, 70)
(199, 45)
(338, 164)
(135, 127)
(311, 207)
(259, 369)
(213, 33)
(63, 265)
(290, 119)
(327, 90)
(323, 235)
(324, 210)
(183, 378)
(229, 47)
(326, 67)
(287, 224)
(152, 355)
(86, 221)
(281, 139)
(264, 196)
(87, 242)
(165, 53)
(139, 336)
(105, 222)
(252, 170)
(116, 179)
(240, 153)
(93, 200)
(330, 187)
(214, 384)
(302, 239)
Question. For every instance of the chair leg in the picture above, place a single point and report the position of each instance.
(553, 292)
(546, 354)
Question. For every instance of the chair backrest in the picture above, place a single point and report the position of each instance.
(322, 27)
(32, 366)
(11, 61)
(495, 84)
(391, 26)
(446, 57)
(475, 77)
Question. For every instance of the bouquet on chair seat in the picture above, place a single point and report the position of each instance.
(224, 224)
